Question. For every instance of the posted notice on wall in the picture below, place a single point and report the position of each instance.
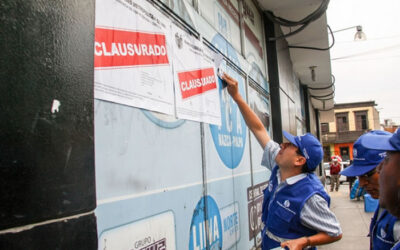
(132, 55)
(196, 82)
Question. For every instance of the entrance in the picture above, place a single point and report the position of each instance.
(344, 153)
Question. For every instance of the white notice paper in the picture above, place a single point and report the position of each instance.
(132, 55)
(196, 82)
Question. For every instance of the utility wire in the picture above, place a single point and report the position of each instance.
(322, 88)
(312, 17)
(303, 22)
(315, 48)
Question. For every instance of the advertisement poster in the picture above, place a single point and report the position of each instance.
(155, 233)
(230, 225)
(196, 88)
(132, 55)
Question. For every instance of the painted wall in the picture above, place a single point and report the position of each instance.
(47, 182)
(184, 184)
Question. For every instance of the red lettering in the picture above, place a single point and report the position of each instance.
(196, 82)
(114, 48)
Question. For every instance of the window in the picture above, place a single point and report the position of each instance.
(324, 128)
(342, 122)
(361, 118)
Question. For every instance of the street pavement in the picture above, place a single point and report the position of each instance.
(353, 220)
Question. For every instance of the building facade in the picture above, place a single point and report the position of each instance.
(350, 121)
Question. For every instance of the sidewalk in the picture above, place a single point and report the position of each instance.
(353, 220)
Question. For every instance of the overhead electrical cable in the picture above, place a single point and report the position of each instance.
(303, 23)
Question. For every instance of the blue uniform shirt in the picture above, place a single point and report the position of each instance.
(282, 208)
(382, 230)
(314, 215)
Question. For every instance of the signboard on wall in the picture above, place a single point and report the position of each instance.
(230, 225)
(132, 55)
(255, 197)
(206, 226)
(230, 137)
(196, 88)
(156, 232)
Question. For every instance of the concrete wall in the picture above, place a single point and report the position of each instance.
(292, 110)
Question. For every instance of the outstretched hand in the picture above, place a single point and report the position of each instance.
(233, 88)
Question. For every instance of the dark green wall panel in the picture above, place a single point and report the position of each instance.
(46, 157)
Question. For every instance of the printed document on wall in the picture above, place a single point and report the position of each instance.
(196, 84)
(132, 55)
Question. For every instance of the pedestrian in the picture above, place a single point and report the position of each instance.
(295, 209)
(389, 172)
(334, 168)
(384, 230)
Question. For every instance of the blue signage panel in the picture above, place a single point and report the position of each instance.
(206, 227)
(229, 138)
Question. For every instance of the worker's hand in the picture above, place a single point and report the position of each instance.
(296, 244)
(233, 86)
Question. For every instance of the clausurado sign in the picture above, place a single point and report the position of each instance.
(116, 48)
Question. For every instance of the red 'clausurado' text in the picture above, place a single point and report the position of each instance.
(117, 48)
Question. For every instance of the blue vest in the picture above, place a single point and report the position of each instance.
(397, 246)
(281, 210)
(381, 230)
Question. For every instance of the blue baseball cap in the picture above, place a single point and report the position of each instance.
(309, 146)
(365, 159)
(387, 141)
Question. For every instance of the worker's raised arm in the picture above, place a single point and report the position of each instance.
(253, 122)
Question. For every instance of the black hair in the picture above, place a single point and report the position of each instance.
(305, 169)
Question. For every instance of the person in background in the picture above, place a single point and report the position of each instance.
(389, 172)
(335, 168)
(384, 229)
(295, 209)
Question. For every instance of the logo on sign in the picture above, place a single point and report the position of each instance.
(196, 82)
(206, 231)
(159, 245)
(229, 138)
(116, 48)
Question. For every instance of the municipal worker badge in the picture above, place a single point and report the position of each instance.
(286, 203)
(383, 233)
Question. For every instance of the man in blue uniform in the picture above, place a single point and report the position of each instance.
(296, 211)
(385, 228)
(389, 172)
